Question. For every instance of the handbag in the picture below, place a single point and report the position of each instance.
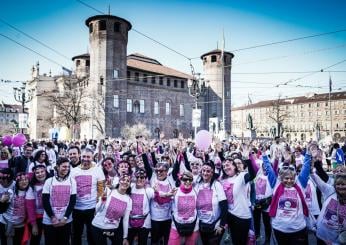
(207, 228)
(263, 203)
(137, 221)
(185, 229)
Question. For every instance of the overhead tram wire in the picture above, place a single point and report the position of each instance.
(20, 44)
(35, 39)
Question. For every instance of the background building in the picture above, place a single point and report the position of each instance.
(299, 118)
(9, 118)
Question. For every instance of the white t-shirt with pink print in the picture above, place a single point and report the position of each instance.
(141, 203)
(236, 191)
(86, 180)
(60, 194)
(110, 212)
(15, 213)
(184, 208)
(35, 193)
(208, 198)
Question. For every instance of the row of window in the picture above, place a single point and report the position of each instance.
(102, 24)
(137, 106)
(153, 80)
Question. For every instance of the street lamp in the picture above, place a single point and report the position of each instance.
(23, 96)
(197, 87)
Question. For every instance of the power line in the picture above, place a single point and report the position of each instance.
(20, 44)
(36, 40)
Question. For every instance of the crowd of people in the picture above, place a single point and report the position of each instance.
(125, 191)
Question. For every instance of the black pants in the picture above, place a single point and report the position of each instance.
(35, 240)
(142, 234)
(57, 235)
(81, 218)
(295, 238)
(160, 229)
(17, 238)
(239, 229)
(100, 236)
(210, 238)
(258, 213)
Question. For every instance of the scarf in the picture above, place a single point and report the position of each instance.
(279, 192)
(184, 189)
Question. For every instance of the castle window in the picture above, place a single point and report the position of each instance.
(87, 63)
(168, 109)
(102, 25)
(175, 83)
(116, 101)
(213, 58)
(129, 105)
(128, 73)
(78, 63)
(136, 76)
(141, 106)
(136, 106)
(161, 81)
(168, 82)
(116, 27)
(153, 80)
(115, 73)
(156, 108)
(91, 28)
(181, 110)
(182, 84)
(101, 80)
(145, 79)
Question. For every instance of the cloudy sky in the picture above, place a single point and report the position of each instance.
(191, 28)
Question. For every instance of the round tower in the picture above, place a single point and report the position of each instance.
(82, 65)
(214, 68)
(108, 36)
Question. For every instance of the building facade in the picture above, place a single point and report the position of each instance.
(9, 118)
(299, 118)
(122, 89)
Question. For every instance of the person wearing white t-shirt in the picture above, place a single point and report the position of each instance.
(13, 219)
(58, 199)
(113, 209)
(235, 185)
(90, 181)
(140, 215)
(211, 206)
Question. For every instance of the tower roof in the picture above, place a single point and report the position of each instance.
(81, 56)
(216, 51)
(106, 16)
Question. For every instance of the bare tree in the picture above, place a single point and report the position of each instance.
(278, 114)
(68, 103)
(99, 108)
(130, 132)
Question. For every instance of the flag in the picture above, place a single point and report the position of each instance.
(330, 84)
(66, 71)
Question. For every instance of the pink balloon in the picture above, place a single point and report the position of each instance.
(7, 140)
(203, 140)
(19, 140)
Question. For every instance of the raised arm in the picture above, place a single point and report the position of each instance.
(303, 177)
(272, 177)
(147, 166)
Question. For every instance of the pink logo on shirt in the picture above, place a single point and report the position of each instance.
(18, 206)
(288, 204)
(186, 207)
(60, 196)
(205, 199)
(83, 185)
(228, 188)
(137, 204)
(331, 217)
(163, 188)
(261, 186)
(116, 210)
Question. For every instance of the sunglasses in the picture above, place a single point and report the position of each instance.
(3, 178)
(289, 167)
(186, 179)
(194, 164)
(206, 171)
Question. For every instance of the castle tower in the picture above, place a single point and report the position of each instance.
(82, 65)
(108, 36)
(213, 71)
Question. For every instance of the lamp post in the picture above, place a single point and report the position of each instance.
(197, 87)
(23, 96)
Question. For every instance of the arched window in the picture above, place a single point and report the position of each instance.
(116, 27)
(175, 133)
(102, 25)
(136, 106)
(91, 28)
